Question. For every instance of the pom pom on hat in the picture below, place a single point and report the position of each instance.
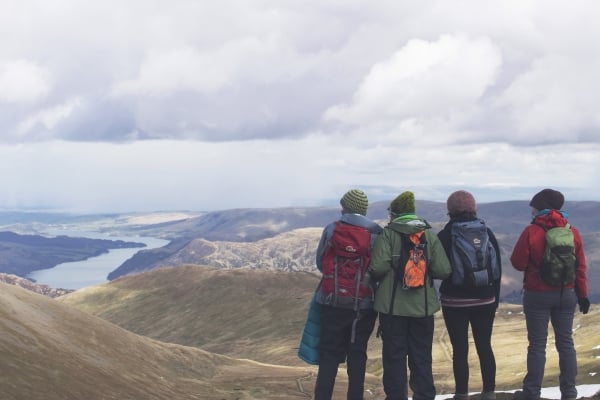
(355, 201)
(461, 201)
(403, 204)
(547, 198)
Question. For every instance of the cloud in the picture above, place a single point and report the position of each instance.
(506, 71)
(47, 119)
(22, 81)
(553, 101)
(293, 102)
(424, 86)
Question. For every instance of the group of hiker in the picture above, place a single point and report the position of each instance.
(371, 273)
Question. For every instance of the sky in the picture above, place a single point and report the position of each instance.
(146, 105)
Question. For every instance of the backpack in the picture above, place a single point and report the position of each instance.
(473, 258)
(345, 262)
(415, 268)
(559, 262)
(411, 270)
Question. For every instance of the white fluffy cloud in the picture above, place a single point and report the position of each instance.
(554, 101)
(22, 81)
(430, 84)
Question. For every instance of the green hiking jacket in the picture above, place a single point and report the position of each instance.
(386, 252)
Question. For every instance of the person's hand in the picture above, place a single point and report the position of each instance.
(584, 304)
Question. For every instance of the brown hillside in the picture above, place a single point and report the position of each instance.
(259, 315)
(241, 313)
(51, 351)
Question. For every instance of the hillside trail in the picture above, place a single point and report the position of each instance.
(444, 344)
(300, 384)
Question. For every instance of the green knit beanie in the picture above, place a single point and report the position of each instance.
(355, 201)
(403, 204)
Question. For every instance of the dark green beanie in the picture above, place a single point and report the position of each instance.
(403, 204)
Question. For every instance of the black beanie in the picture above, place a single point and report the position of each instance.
(547, 198)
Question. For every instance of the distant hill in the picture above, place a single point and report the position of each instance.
(251, 224)
(281, 238)
(259, 315)
(286, 239)
(52, 351)
(22, 254)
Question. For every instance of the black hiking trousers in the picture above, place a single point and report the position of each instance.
(481, 320)
(335, 347)
(407, 339)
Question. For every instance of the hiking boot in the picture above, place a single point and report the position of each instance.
(520, 395)
(488, 395)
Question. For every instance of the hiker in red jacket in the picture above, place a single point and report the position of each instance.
(543, 302)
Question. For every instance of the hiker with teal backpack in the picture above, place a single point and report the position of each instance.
(551, 255)
(471, 294)
(407, 257)
(345, 296)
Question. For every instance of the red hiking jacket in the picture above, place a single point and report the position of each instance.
(529, 249)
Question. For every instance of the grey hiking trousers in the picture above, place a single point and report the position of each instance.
(539, 308)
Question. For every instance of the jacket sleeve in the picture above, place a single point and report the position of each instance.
(440, 265)
(521, 251)
(581, 274)
(496, 247)
(321, 248)
(381, 258)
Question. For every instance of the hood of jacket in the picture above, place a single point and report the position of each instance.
(550, 218)
(408, 223)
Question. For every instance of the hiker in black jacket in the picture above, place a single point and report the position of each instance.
(475, 305)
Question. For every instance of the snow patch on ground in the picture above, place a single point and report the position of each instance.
(549, 393)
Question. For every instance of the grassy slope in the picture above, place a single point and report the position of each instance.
(52, 351)
(259, 315)
(244, 315)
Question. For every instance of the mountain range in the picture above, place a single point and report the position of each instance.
(286, 238)
(277, 239)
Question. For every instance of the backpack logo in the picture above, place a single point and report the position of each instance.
(415, 269)
(473, 258)
(559, 262)
(345, 262)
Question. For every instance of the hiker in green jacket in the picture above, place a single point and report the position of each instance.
(406, 313)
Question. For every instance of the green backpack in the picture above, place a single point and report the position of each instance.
(559, 262)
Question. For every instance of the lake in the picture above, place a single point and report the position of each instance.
(94, 270)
